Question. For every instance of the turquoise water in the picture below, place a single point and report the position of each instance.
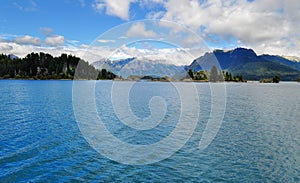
(259, 140)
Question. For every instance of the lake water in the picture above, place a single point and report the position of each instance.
(41, 141)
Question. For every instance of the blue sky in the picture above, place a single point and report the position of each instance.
(75, 19)
(69, 18)
(267, 26)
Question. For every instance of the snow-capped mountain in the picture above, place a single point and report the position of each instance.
(140, 66)
(13, 57)
(292, 58)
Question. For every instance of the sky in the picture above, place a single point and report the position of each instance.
(173, 30)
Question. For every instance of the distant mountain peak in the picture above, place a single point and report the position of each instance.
(244, 51)
(140, 66)
(246, 62)
(236, 50)
(292, 58)
(13, 57)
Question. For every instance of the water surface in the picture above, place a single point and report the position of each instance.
(259, 140)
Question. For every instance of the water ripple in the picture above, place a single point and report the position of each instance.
(259, 140)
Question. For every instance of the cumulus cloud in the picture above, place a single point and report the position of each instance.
(5, 47)
(113, 7)
(155, 15)
(268, 26)
(252, 23)
(139, 30)
(28, 40)
(190, 41)
(87, 53)
(177, 56)
(4, 40)
(46, 31)
(55, 40)
(106, 41)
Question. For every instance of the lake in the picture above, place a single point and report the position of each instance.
(49, 132)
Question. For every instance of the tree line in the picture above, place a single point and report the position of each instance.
(214, 75)
(45, 66)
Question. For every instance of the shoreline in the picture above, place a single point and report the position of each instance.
(127, 80)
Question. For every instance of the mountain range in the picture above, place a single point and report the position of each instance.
(237, 61)
(140, 67)
(247, 63)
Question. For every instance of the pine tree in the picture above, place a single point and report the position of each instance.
(191, 74)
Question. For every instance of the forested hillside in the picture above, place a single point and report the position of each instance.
(45, 66)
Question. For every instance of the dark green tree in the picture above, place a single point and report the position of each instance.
(227, 76)
(44, 66)
(191, 74)
(238, 78)
(201, 75)
(276, 79)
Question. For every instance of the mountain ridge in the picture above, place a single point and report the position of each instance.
(249, 64)
(139, 66)
(238, 61)
(242, 61)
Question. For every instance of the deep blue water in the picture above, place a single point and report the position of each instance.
(259, 140)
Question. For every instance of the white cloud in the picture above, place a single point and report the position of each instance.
(252, 23)
(17, 49)
(122, 37)
(106, 41)
(139, 30)
(99, 6)
(175, 56)
(72, 42)
(259, 22)
(114, 7)
(55, 40)
(190, 41)
(3, 40)
(5, 47)
(31, 6)
(267, 26)
(85, 52)
(46, 31)
(155, 15)
(28, 40)
(184, 12)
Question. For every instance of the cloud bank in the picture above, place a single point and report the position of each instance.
(267, 26)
